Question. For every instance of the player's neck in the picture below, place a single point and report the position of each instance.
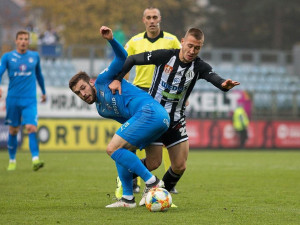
(21, 51)
(153, 34)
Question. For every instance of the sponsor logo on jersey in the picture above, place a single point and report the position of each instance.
(171, 87)
(23, 72)
(168, 69)
(114, 105)
(171, 97)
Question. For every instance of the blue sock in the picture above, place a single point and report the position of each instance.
(33, 145)
(126, 179)
(131, 162)
(12, 146)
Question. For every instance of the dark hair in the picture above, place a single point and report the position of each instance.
(20, 32)
(77, 77)
(195, 32)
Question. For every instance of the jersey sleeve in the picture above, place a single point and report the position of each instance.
(3, 65)
(206, 72)
(156, 57)
(117, 63)
(39, 75)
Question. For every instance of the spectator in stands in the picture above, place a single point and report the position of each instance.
(240, 122)
(49, 37)
(33, 37)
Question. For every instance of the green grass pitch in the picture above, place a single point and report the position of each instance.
(218, 187)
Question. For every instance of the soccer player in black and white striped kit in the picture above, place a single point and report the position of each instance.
(175, 75)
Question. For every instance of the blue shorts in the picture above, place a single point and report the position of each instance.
(21, 111)
(145, 126)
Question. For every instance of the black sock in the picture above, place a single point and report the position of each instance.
(170, 179)
(144, 162)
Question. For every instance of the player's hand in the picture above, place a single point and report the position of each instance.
(43, 98)
(106, 33)
(0, 92)
(115, 86)
(228, 84)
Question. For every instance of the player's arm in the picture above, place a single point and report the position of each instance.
(3, 66)
(212, 77)
(145, 58)
(120, 54)
(40, 79)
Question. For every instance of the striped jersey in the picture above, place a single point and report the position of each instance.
(142, 43)
(173, 80)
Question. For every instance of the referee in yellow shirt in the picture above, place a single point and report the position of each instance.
(152, 39)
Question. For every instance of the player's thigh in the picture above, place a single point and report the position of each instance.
(144, 127)
(13, 112)
(29, 112)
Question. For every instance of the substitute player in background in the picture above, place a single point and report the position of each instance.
(152, 39)
(24, 70)
(143, 119)
(177, 71)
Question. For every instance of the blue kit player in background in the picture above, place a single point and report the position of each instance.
(24, 70)
(143, 120)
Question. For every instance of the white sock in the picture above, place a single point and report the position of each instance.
(35, 158)
(151, 180)
(128, 197)
(12, 161)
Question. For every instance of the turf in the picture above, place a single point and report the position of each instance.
(219, 187)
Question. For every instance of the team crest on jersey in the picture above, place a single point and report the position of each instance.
(168, 69)
(23, 67)
(30, 60)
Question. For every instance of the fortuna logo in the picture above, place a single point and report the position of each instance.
(168, 69)
(114, 105)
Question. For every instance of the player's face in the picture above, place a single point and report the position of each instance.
(22, 43)
(85, 91)
(190, 48)
(151, 20)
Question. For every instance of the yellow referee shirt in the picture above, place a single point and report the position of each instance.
(141, 43)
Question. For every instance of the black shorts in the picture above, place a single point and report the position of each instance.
(174, 135)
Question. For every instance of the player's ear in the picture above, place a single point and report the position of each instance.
(92, 83)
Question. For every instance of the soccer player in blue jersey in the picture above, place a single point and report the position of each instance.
(143, 120)
(24, 70)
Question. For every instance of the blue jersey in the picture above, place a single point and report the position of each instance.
(23, 71)
(118, 107)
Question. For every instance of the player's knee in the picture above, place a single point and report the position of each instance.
(179, 168)
(153, 164)
(31, 129)
(110, 149)
(13, 130)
